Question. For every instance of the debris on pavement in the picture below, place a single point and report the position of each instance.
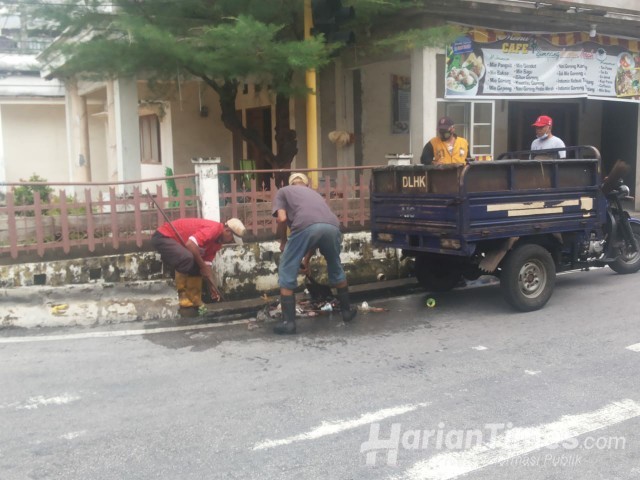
(263, 314)
(253, 324)
(366, 308)
(59, 309)
(320, 302)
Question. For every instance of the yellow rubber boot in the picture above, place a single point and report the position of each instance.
(194, 290)
(181, 287)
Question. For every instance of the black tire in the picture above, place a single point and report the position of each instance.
(628, 262)
(437, 273)
(528, 277)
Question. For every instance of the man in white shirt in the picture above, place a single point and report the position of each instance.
(545, 140)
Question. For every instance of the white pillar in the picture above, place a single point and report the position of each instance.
(636, 203)
(3, 167)
(112, 156)
(344, 111)
(424, 108)
(207, 170)
(125, 93)
(77, 134)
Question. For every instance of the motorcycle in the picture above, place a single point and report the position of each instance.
(622, 233)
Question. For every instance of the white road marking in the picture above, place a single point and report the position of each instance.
(519, 441)
(72, 435)
(634, 348)
(532, 372)
(117, 333)
(331, 428)
(480, 347)
(40, 401)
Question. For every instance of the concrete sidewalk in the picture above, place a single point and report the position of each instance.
(104, 303)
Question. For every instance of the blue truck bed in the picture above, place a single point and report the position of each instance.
(449, 208)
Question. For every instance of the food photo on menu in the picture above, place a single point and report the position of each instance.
(628, 75)
(464, 72)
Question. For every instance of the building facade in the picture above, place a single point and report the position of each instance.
(368, 106)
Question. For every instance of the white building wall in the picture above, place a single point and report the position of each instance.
(195, 136)
(376, 111)
(98, 143)
(35, 141)
(3, 170)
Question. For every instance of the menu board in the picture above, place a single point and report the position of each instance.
(494, 64)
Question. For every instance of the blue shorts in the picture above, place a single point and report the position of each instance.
(323, 236)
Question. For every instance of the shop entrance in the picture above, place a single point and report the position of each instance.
(618, 132)
(620, 137)
(523, 114)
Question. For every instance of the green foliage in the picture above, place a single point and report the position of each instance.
(222, 40)
(369, 12)
(53, 212)
(419, 38)
(224, 43)
(24, 194)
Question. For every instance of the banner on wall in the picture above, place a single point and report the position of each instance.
(400, 103)
(498, 64)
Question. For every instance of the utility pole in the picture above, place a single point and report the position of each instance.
(312, 104)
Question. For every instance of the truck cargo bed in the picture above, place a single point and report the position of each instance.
(449, 207)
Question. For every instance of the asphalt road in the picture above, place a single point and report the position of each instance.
(465, 389)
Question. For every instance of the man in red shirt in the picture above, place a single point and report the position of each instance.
(189, 246)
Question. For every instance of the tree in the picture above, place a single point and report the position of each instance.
(221, 42)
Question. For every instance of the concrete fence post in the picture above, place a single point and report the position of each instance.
(207, 170)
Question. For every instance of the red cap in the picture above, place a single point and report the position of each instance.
(543, 121)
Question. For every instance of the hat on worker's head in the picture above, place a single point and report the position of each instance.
(543, 121)
(237, 228)
(298, 176)
(445, 123)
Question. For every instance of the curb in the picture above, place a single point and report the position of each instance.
(107, 304)
(87, 304)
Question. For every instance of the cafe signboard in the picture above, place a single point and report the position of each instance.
(499, 64)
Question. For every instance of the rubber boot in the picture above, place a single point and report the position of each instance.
(288, 324)
(194, 290)
(345, 307)
(181, 286)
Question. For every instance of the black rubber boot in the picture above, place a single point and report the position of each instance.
(348, 313)
(288, 324)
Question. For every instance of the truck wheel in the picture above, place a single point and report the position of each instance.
(628, 262)
(436, 274)
(528, 277)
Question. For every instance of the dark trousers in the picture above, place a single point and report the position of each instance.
(174, 254)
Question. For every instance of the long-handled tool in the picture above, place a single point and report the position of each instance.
(213, 291)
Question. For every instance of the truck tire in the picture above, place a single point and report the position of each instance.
(628, 262)
(437, 274)
(528, 277)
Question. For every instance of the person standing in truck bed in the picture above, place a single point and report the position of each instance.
(446, 147)
(545, 139)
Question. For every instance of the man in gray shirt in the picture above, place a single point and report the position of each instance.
(545, 139)
(312, 226)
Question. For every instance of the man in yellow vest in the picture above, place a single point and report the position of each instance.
(447, 147)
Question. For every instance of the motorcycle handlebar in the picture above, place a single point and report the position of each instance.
(610, 182)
